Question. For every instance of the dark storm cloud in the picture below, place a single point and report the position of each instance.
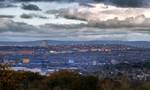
(32, 15)
(7, 25)
(27, 6)
(6, 5)
(126, 3)
(26, 16)
(7, 16)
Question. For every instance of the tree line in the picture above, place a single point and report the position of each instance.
(64, 80)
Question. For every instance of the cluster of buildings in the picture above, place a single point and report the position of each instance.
(83, 58)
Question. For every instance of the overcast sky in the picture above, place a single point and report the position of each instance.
(29, 21)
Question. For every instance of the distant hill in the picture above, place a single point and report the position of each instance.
(141, 44)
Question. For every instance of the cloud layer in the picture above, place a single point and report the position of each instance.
(104, 16)
(73, 21)
(120, 3)
(13, 31)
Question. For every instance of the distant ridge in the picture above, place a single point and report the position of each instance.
(141, 44)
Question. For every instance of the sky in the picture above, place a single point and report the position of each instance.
(74, 21)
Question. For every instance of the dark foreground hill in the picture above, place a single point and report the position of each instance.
(65, 80)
